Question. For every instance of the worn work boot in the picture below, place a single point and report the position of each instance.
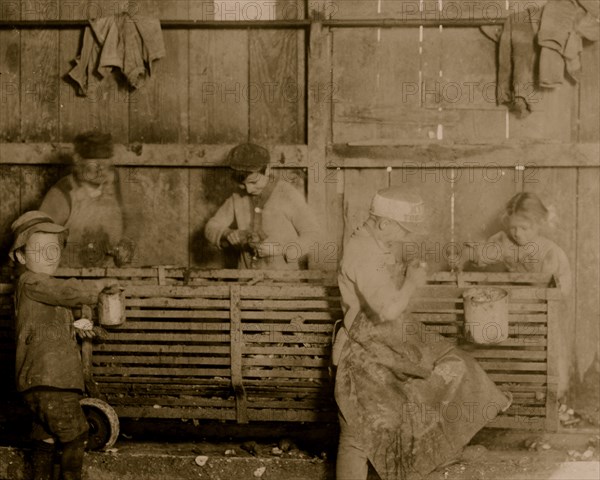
(42, 459)
(71, 460)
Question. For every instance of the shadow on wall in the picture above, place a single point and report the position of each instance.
(215, 188)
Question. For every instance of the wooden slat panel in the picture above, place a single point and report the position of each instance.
(211, 314)
(189, 326)
(220, 291)
(176, 413)
(517, 378)
(286, 328)
(262, 372)
(508, 354)
(286, 362)
(507, 365)
(289, 305)
(282, 338)
(167, 337)
(140, 400)
(271, 350)
(9, 209)
(287, 291)
(162, 302)
(252, 315)
(157, 371)
(114, 360)
(531, 423)
(162, 349)
(589, 97)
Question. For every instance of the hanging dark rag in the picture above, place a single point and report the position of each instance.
(129, 43)
(564, 25)
(517, 53)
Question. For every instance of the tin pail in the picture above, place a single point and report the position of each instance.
(486, 315)
(111, 309)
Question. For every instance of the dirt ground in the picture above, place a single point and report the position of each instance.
(185, 451)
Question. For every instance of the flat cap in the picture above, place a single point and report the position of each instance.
(248, 157)
(94, 145)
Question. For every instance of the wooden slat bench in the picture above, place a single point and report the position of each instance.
(254, 346)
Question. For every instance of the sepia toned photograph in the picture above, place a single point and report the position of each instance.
(300, 239)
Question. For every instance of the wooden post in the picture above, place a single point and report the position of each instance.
(554, 300)
(236, 339)
(319, 110)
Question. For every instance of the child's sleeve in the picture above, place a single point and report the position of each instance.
(556, 263)
(492, 251)
(220, 222)
(59, 292)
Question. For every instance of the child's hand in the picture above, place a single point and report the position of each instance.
(83, 324)
(112, 289)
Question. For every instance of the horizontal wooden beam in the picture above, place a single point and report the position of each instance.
(148, 155)
(165, 24)
(446, 155)
(414, 22)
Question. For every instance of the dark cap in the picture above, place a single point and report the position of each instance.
(248, 157)
(30, 223)
(94, 145)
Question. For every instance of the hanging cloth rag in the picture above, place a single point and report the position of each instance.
(129, 43)
(565, 23)
(517, 53)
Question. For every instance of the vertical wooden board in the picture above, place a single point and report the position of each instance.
(587, 327)
(218, 104)
(201, 9)
(276, 87)
(290, 9)
(10, 179)
(209, 188)
(334, 217)
(10, 67)
(435, 188)
(376, 80)
(105, 107)
(360, 185)
(589, 108)
(159, 200)
(36, 181)
(550, 118)
(39, 75)
(480, 197)
(344, 9)
(473, 9)
(158, 111)
(557, 188)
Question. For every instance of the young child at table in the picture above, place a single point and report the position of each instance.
(521, 247)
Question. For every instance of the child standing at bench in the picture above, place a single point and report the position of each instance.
(520, 247)
(48, 364)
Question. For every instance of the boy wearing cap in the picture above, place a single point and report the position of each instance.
(87, 202)
(269, 221)
(395, 378)
(48, 365)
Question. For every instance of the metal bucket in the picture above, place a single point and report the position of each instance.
(486, 315)
(111, 309)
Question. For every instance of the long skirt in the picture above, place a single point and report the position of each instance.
(415, 398)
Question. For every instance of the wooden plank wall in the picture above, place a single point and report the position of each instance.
(369, 86)
(213, 86)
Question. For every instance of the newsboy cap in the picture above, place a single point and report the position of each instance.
(30, 223)
(248, 157)
(94, 145)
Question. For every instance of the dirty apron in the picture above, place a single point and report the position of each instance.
(415, 399)
(95, 225)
